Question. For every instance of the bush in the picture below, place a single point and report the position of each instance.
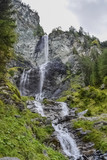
(39, 31)
(11, 72)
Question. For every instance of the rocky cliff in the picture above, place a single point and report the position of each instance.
(65, 47)
(28, 30)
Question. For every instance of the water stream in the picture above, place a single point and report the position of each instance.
(68, 144)
(59, 111)
(40, 96)
(23, 81)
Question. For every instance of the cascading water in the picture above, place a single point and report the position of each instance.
(23, 81)
(68, 144)
(66, 140)
(40, 96)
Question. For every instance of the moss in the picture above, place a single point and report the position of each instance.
(38, 31)
(95, 42)
(26, 98)
(45, 101)
(95, 100)
(20, 137)
(62, 99)
(97, 135)
(13, 89)
(75, 51)
(22, 133)
(89, 98)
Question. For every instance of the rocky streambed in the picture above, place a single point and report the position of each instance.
(65, 138)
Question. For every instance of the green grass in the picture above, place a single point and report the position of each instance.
(98, 134)
(95, 100)
(22, 133)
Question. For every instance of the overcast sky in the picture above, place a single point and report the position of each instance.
(89, 14)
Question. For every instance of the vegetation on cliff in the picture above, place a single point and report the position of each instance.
(94, 102)
(7, 34)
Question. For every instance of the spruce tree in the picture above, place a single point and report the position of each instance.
(103, 64)
(7, 34)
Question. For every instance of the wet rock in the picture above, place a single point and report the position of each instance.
(105, 156)
(17, 116)
(102, 86)
(89, 152)
(29, 82)
(65, 119)
(45, 153)
(48, 121)
(100, 123)
(82, 113)
(84, 157)
(84, 133)
(53, 142)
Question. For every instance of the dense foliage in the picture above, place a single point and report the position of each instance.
(94, 67)
(7, 35)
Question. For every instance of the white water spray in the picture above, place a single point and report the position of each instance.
(24, 79)
(42, 68)
(39, 108)
(66, 140)
(68, 144)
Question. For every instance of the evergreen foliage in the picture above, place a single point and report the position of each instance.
(103, 64)
(39, 31)
(7, 35)
(94, 67)
(86, 67)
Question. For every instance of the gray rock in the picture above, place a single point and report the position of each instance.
(27, 23)
(17, 116)
(82, 113)
(102, 86)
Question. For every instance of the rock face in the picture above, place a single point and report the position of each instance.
(29, 82)
(27, 22)
(68, 46)
(64, 50)
(54, 77)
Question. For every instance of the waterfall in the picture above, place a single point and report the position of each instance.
(68, 144)
(39, 108)
(55, 113)
(23, 81)
(65, 138)
(46, 48)
(40, 96)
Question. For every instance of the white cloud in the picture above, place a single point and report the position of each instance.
(53, 13)
(90, 14)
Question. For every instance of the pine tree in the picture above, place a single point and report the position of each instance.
(7, 34)
(103, 64)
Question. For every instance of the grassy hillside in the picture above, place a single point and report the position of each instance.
(22, 133)
(93, 100)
